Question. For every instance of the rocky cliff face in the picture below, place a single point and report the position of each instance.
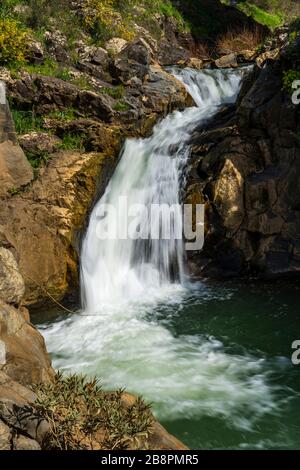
(245, 167)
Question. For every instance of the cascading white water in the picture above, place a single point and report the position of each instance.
(126, 285)
(149, 173)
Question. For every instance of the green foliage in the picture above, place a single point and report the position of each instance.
(103, 20)
(115, 92)
(271, 20)
(288, 78)
(26, 121)
(121, 106)
(12, 42)
(82, 82)
(36, 159)
(73, 142)
(13, 191)
(49, 68)
(77, 409)
(7, 8)
(64, 115)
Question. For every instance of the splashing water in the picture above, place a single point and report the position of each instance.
(117, 336)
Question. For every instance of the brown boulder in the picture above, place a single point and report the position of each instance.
(24, 356)
(227, 61)
(17, 411)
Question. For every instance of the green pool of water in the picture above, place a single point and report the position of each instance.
(214, 361)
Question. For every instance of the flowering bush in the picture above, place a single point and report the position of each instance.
(12, 41)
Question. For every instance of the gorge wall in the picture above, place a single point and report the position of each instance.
(245, 168)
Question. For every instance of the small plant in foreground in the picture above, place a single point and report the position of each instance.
(79, 412)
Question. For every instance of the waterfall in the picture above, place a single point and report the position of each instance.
(149, 173)
(133, 290)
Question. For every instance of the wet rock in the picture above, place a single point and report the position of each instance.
(49, 215)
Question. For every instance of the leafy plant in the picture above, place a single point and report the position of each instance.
(73, 142)
(77, 409)
(36, 159)
(121, 106)
(272, 20)
(64, 115)
(12, 42)
(115, 92)
(26, 121)
(82, 82)
(103, 20)
(7, 8)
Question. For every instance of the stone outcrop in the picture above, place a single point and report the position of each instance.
(245, 165)
(23, 354)
(158, 438)
(41, 224)
(20, 426)
(15, 171)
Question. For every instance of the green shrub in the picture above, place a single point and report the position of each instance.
(103, 20)
(7, 8)
(36, 159)
(12, 42)
(73, 142)
(115, 92)
(77, 409)
(64, 115)
(82, 82)
(271, 20)
(121, 106)
(26, 121)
